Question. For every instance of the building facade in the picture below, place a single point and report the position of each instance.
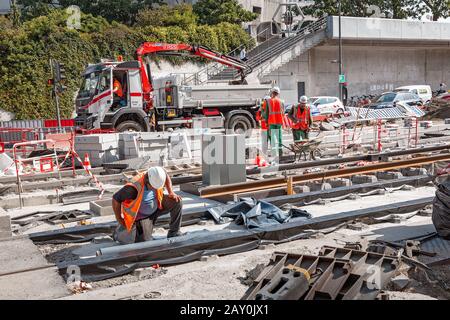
(5, 7)
(378, 56)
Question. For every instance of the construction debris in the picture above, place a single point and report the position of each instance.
(335, 274)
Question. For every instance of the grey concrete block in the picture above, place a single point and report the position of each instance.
(301, 189)
(97, 138)
(447, 121)
(223, 159)
(409, 172)
(340, 182)
(360, 179)
(318, 186)
(101, 207)
(389, 175)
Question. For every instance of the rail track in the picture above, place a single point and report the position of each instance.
(252, 186)
(191, 173)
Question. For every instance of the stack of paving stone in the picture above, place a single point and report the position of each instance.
(101, 148)
(143, 144)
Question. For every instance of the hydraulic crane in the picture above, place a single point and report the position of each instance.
(146, 103)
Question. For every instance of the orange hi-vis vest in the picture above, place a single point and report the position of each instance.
(130, 208)
(302, 118)
(275, 112)
(118, 88)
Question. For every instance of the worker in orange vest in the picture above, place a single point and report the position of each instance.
(119, 92)
(138, 205)
(301, 119)
(117, 88)
(275, 121)
(262, 118)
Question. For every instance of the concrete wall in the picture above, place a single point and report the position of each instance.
(268, 7)
(389, 29)
(369, 69)
(287, 77)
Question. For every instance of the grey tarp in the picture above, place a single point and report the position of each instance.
(255, 213)
(441, 209)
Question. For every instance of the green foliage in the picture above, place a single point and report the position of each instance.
(437, 8)
(124, 11)
(396, 9)
(25, 52)
(181, 15)
(217, 11)
(35, 8)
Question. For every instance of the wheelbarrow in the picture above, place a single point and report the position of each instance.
(306, 149)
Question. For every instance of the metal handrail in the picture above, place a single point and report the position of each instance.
(280, 46)
(264, 55)
(216, 65)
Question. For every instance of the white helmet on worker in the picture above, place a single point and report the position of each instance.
(156, 177)
(267, 98)
(304, 99)
(276, 90)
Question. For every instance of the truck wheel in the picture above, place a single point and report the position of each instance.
(240, 124)
(129, 126)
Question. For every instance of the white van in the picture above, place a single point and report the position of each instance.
(424, 92)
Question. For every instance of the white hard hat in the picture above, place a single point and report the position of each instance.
(156, 177)
(303, 99)
(267, 98)
(276, 90)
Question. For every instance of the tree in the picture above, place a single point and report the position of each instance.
(437, 8)
(181, 15)
(15, 14)
(25, 51)
(35, 8)
(361, 8)
(123, 11)
(216, 11)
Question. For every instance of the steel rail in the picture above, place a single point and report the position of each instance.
(251, 186)
(36, 183)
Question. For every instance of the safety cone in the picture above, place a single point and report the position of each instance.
(260, 162)
(87, 162)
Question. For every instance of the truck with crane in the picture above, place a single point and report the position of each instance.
(153, 104)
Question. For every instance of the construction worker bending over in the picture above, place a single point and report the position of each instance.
(138, 204)
(275, 122)
(301, 119)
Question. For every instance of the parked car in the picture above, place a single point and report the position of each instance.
(423, 91)
(390, 99)
(327, 105)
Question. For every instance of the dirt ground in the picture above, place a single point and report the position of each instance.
(435, 282)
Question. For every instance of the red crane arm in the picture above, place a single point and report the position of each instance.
(151, 47)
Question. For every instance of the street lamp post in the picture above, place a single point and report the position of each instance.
(340, 49)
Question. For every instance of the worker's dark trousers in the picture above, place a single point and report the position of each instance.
(142, 230)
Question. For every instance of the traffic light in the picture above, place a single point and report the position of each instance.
(60, 71)
(59, 77)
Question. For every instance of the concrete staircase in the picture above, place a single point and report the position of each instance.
(275, 52)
